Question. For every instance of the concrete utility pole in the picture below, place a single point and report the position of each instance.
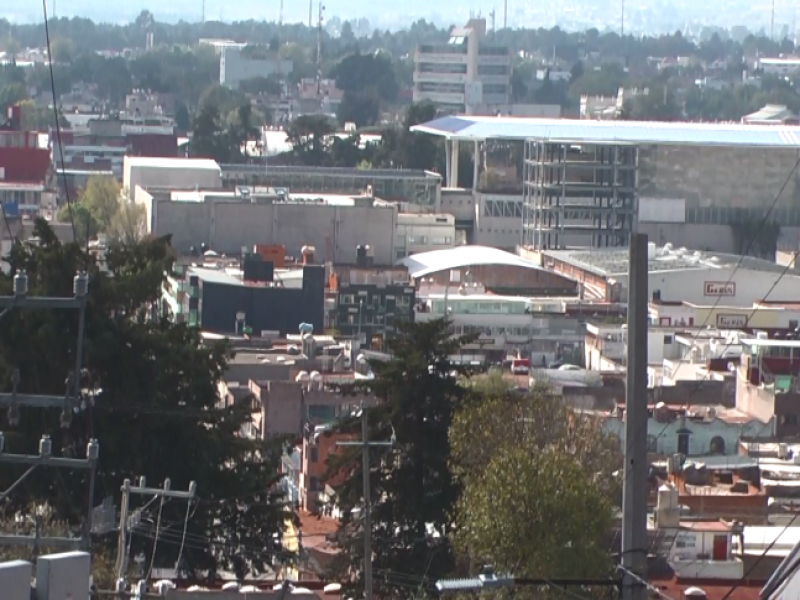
(127, 521)
(505, 14)
(46, 459)
(68, 403)
(772, 23)
(365, 444)
(622, 21)
(634, 500)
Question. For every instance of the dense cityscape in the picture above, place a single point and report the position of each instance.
(329, 307)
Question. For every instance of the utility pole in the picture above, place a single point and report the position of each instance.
(365, 444)
(505, 14)
(319, 55)
(310, 10)
(45, 458)
(622, 21)
(127, 521)
(492, 15)
(68, 403)
(634, 500)
(203, 14)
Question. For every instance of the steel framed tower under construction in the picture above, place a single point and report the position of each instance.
(578, 194)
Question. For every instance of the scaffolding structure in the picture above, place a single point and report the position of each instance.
(578, 195)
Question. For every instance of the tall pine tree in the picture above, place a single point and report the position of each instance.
(413, 490)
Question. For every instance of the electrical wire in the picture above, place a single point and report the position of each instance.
(736, 267)
(744, 577)
(55, 117)
(5, 219)
(183, 537)
(155, 541)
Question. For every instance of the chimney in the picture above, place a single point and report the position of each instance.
(308, 253)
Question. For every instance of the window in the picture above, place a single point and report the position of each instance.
(790, 419)
(652, 443)
(792, 324)
(314, 454)
(313, 484)
(418, 240)
(347, 299)
(442, 241)
(667, 339)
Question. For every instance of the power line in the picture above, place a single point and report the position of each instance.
(736, 267)
(55, 117)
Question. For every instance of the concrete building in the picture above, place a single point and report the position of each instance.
(228, 221)
(415, 187)
(692, 184)
(370, 302)
(240, 63)
(496, 271)
(507, 325)
(782, 67)
(466, 72)
(694, 430)
(223, 301)
(423, 232)
(676, 275)
(169, 173)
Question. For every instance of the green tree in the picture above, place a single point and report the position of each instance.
(63, 50)
(525, 460)
(129, 224)
(223, 98)
(261, 85)
(156, 411)
(86, 226)
(101, 198)
(359, 71)
(13, 93)
(182, 117)
(308, 135)
(209, 138)
(361, 108)
(413, 491)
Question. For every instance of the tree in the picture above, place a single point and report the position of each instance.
(13, 93)
(308, 135)
(63, 51)
(413, 491)
(223, 98)
(182, 118)
(261, 85)
(39, 118)
(156, 392)
(86, 226)
(102, 199)
(359, 71)
(361, 108)
(208, 135)
(524, 460)
(129, 224)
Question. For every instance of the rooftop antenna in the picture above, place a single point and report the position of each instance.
(771, 23)
(505, 14)
(492, 15)
(319, 54)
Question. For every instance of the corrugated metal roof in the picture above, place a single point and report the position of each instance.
(435, 261)
(613, 132)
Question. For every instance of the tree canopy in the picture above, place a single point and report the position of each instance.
(155, 409)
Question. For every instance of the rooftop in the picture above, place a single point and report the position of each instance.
(332, 171)
(426, 263)
(605, 262)
(172, 163)
(612, 132)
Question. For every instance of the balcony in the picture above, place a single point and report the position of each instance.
(697, 567)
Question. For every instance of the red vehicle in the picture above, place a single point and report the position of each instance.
(520, 366)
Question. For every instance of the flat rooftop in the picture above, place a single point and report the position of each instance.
(172, 163)
(633, 133)
(609, 262)
(231, 169)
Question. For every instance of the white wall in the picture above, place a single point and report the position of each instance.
(178, 173)
(750, 286)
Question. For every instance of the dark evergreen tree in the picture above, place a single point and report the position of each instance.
(155, 412)
(413, 490)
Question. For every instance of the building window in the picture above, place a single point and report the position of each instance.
(314, 454)
(313, 484)
(790, 419)
(667, 339)
(652, 443)
(442, 241)
(347, 299)
(417, 240)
